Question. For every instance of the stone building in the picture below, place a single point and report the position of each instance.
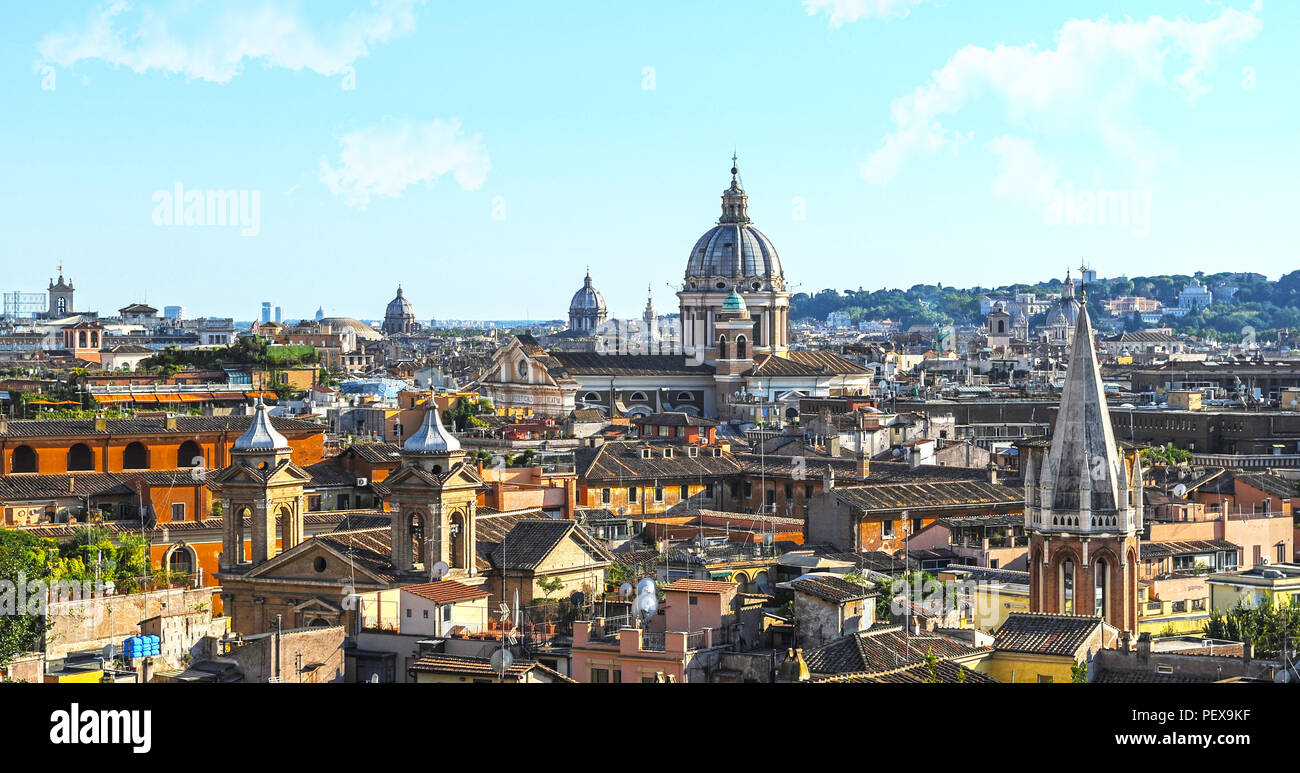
(587, 310)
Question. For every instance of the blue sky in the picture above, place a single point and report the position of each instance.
(484, 155)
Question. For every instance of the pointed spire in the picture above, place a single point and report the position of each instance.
(261, 435)
(1083, 456)
(735, 204)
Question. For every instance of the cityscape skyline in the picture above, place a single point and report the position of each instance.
(387, 132)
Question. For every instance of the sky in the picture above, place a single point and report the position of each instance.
(484, 155)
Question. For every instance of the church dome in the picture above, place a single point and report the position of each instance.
(399, 317)
(432, 437)
(1066, 311)
(733, 249)
(734, 303)
(587, 299)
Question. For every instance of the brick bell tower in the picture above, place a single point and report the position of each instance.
(1083, 503)
(735, 352)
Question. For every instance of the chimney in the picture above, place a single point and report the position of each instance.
(1125, 641)
(4, 424)
(170, 422)
(101, 423)
(1247, 651)
(1144, 646)
(992, 467)
(833, 445)
(828, 478)
(864, 463)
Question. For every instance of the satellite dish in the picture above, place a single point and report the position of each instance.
(1282, 677)
(577, 598)
(502, 660)
(374, 679)
(645, 586)
(440, 570)
(1180, 490)
(625, 590)
(646, 605)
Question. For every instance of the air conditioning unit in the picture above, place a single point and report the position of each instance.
(362, 482)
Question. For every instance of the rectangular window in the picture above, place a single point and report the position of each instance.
(604, 496)
(789, 491)
(1179, 606)
(808, 490)
(708, 491)
(684, 493)
(345, 502)
(1044, 679)
(659, 494)
(178, 511)
(886, 529)
(1198, 605)
(599, 676)
(408, 611)
(694, 601)
(749, 489)
(916, 525)
(426, 613)
(446, 613)
(631, 494)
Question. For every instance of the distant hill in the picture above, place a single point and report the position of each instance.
(1266, 306)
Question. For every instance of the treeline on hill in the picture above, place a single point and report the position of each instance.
(1267, 307)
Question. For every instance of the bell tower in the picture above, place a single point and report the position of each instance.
(261, 484)
(433, 498)
(1083, 503)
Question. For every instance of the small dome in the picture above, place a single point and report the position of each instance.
(734, 303)
(734, 248)
(588, 298)
(431, 437)
(261, 435)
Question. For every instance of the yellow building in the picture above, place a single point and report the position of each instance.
(1279, 583)
(1042, 647)
(992, 594)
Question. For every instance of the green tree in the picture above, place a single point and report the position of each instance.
(1078, 673)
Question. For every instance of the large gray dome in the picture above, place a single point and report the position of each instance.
(716, 254)
(733, 249)
(399, 317)
(588, 298)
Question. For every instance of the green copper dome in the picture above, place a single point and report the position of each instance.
(734, 303)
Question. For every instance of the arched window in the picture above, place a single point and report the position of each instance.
(190, 454)
(591, 397)
(24, 460)
(80, 458)
(722, 347)
(740, 347)
(418, 545)
(459, 558)
(135, 457)
(181, 560)
(1100, 592)
(637, 397)
(1067, 588)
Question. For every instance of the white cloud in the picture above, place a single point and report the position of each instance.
(848, 11)
(1023, 172)
(212, 41)
(385, 160)
(1090, 82)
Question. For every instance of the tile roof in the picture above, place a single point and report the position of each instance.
(621, 460)
(24, 487)
(446, 592)
(884, 648)
(687, 585)
(377, 453)
(1185, 547)
(369, 548)
(330, 473)
(832, 588)
(480, 667)
(937, 494)
(596, 364)
(806, 363)
(1045, 634)
(1268, 483)
(945, 672)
